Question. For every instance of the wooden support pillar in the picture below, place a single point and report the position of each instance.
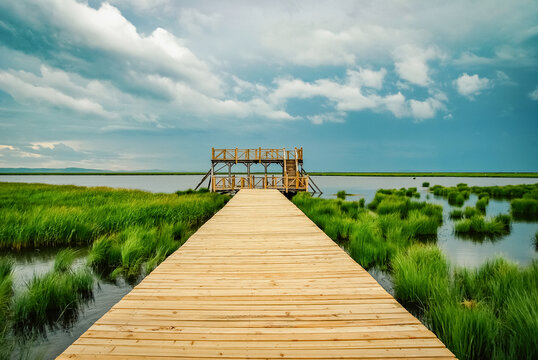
(212, 176)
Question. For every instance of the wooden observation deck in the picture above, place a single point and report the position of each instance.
(292, 179)
(259, 280)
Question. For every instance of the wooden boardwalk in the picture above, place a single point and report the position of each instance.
(259, 281)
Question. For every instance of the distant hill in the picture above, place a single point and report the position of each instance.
(82, 171)
(48, 170)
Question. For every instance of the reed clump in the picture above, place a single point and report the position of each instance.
(525, 208)
(484, 313)
(53, 297)
(6, 294)
(373, 238)
(507, 192)
(341, 194)
(482, 203)
(477, 224)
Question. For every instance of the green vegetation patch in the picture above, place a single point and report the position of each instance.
(373, 237)
(485, 313)
(129, 233)
(38, 215)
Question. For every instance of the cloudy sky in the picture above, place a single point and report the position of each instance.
(361, 85)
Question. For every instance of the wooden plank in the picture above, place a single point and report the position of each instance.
(259, 280)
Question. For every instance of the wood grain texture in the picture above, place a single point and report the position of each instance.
(259, 280)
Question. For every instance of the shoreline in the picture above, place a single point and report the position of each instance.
(358, 174)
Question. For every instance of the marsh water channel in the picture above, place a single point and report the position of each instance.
(517, 246)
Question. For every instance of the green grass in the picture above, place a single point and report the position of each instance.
(456, 198)
(456, 214)
(51, 298)
(526, 196)
(6, 294)
(341, 194)
(420, 275)
(64, 260)
(485, 313)
(525, 208)
(482, 203)
(469, 332)
(373, 239)
(425, 184)
(37, 215)
(477, 224)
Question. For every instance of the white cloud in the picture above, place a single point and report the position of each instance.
(195, 21)
(108, 30)
(468, 58)
(24, 91)
(347, 96)
(411, 63)
(470, 85)
(188, 99)
(6, 147)
(319, 119)
(534, 94)
(397, 105)
(367, 78)
(426, 109)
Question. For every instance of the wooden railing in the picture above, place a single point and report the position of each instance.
(286, 183)
(256, 154)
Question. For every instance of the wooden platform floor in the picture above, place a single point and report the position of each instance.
(259, 281)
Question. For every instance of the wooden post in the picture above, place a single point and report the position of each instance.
(260, 154)
(265, 181)
(306, 183)
(212, 177)
(212, 153)
(242, 182)
(286, 182)
(233, 182)
(236, 155)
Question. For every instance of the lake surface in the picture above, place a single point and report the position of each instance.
(30, 263)
(517, 246)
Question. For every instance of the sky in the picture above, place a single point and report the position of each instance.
(360, 85)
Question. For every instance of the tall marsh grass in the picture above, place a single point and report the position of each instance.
(525, 208)
(53, 297)
(477, 224)
(485, 313)
(38, 215)
(6, 294)
(372, 239)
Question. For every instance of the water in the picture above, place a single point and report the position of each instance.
(516, 246)
(471, 252)
(28, 264)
